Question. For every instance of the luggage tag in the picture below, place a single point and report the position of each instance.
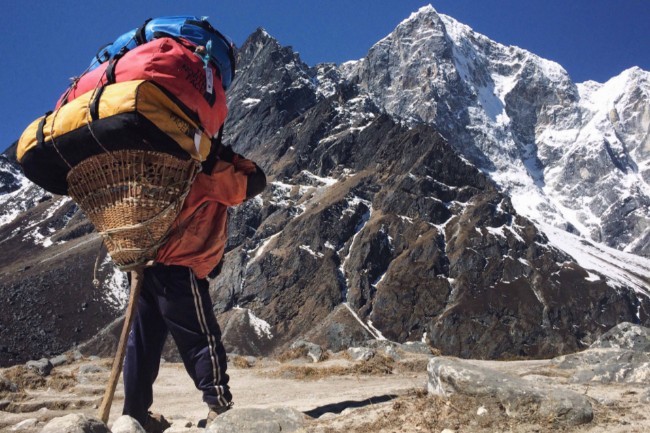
(204, 54)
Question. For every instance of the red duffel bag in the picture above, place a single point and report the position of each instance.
(173, 65)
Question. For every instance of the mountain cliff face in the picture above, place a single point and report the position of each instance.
(576, 156)
(444, 188)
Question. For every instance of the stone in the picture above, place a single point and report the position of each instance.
(75, 423)
(519, 397)
(257, 420)
(625, 336)
(59, 360)
(361, 353)
(392, 353)
(183, 428)
(43, 366)
(606, 365)
(126, 424)
(314, 351)
(27, 424)
(416, 347)
(8, 385)
(92, 369)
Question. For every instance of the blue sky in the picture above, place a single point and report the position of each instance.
(43, 43)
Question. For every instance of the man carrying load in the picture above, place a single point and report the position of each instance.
(153, 99)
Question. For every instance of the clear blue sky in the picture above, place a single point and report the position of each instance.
(43, 43)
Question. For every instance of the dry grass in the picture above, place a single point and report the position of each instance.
(24, 378)
(413, 365)
(239, 362)
(27, 379)
(292, 354)
(379, 365)
(419, 412)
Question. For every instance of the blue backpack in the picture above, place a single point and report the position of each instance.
(219, 48)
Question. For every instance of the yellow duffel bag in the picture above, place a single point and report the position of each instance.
(128, 115)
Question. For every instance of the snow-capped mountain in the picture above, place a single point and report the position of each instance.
(444, 188)
(574, 156)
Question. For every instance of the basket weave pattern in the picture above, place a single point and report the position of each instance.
(132, 197)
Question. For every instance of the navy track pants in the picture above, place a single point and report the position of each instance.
(173, 300)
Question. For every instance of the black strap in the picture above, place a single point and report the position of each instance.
(215, 149)
(104, 55)
(94, 104)
(110, 71)
(140, 34)
(40, 135)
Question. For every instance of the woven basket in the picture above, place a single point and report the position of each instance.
(132, 197)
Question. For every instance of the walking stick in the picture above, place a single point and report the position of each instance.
(137, 277)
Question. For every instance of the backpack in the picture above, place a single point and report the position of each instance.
(219, 48)
(174, 66)
(129, 115)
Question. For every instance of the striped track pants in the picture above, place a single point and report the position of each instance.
(173, 300)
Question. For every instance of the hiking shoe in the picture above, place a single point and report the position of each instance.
(156, 423)
(213, 413)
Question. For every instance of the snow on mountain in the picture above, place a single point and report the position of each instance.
(17, 193)
(573, 156)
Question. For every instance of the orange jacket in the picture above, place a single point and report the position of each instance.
(199, 234)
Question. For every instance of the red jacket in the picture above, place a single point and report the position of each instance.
(199, 234)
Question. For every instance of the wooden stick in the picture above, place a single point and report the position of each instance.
(137, 276)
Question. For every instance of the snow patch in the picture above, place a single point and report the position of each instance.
(261, 327)
(311, 252)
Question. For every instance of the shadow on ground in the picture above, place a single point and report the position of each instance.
(341, 406)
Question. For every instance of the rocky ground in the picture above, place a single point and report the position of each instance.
(382, 387)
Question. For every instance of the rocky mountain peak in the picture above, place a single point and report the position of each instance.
(407, 191)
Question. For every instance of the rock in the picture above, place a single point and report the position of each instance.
(606, 365)
(91, 369)
(314, 351)
(75, 423)
(481, 411)
(126, 424)
(27, 424)
(43, 366)
(257, 420)
(182, 428)
(519, 397)
(360, 353)
(392, 353)
(625, 336)
(8, 385)
(59, 360)
(416, 347)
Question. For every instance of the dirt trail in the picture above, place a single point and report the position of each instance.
(336, 395)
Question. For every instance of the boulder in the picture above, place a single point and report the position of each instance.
(314, 351)
(59, 360)
(28, 424)
(625, 336)
(257, 420)
(519, 397)
(606, 365)
(75, 423)
(361, 353)
(43, 366)
(126, 424)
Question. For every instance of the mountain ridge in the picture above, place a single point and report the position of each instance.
(377, 226)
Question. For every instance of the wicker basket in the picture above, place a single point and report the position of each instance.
(132, 197)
